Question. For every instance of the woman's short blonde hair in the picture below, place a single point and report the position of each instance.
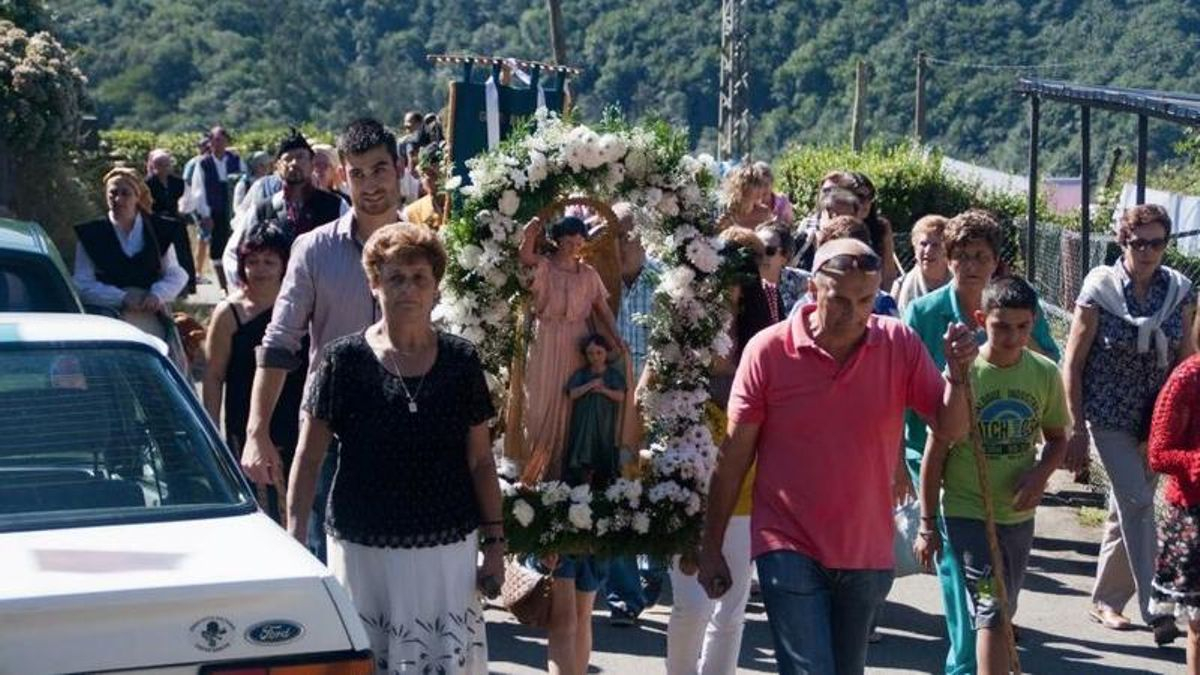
(405, 243)
(930, 224)
(740, 182)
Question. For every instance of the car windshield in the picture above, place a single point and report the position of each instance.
(104, 434)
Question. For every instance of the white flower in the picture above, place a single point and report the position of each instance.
(677, 283)
(610, 148)
(701, 253)
(509, 203)
(468, 256)
(722, 344)
(537, 171)
(602, 526)
(473, 334)
(523, 512)
(581, 494)
(555, 492)
(652, 196)
(518, 179)
(453, 183)
(668, 205)
(641, 523)
(580, 516)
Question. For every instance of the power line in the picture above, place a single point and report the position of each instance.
(1010, 66)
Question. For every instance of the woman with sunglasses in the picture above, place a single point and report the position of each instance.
(1132, 324)
(783, 285)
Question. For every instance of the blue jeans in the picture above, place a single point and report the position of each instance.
(819, 618)
(960, 625)
(316, 522)
(633, 583)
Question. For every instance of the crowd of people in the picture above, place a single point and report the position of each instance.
(367, 426)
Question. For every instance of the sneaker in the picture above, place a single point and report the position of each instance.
(619, 618)
(203, 280)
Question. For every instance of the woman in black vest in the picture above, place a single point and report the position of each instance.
(125, 263)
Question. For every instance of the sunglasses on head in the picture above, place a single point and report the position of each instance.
(1148, 244)
(865, 262)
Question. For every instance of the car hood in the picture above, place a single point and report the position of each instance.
(155, 594)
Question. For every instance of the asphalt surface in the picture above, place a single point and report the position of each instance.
(1056, 635)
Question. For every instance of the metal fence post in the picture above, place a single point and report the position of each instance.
(1085, 193)
(1031, 206)
(1142, 143)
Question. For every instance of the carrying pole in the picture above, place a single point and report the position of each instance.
(989, 515)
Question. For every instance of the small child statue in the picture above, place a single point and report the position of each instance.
(596, 392)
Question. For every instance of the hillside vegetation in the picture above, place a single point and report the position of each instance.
(184, 64)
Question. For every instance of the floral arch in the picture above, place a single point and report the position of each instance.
(540, 164)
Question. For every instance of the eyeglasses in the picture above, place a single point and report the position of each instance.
(1147, 244)
(845, 262)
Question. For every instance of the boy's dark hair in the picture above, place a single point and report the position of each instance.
(568, 226)
(362, 135)
(1009, 292)
(594, 339)
(293, 140)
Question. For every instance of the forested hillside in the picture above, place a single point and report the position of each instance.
(187, 63)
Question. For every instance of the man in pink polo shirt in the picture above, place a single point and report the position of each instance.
(818, 402)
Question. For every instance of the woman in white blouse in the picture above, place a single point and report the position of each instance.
(124, 262)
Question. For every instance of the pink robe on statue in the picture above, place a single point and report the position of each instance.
(562, 305)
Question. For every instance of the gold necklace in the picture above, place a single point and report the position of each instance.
(412, 397)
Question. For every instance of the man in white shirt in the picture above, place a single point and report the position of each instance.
(210, 189)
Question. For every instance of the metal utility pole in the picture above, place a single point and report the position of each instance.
(919, 111)
(557, 44)
(860, 106)
(733, 118)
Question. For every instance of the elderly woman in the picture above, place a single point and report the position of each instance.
(324, 171)
(125, 262)
(1132, 325)
(835, 198)
(259, 164)
(415, 495)
(932, 269)
(165, 187)
(780, 205)
(1174, 450)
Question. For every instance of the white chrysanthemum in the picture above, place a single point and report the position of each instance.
(701, 253)
(555, 492)
(641, 523)
(722, 344)
(510, 201)
(581, 493)
(677, 283)
(468, 256)
(580, 516)
(668, 205)
(537, 170)
(523, 512)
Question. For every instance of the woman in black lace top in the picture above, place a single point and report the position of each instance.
(415, 495)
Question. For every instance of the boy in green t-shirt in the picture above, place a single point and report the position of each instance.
(1019, 400)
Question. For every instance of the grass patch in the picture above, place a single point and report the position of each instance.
(1091, 516)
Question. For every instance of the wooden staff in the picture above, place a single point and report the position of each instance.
(1014, 660)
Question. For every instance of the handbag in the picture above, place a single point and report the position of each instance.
(908, 522)
(526, 593)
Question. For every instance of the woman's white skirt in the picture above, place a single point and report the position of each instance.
(419, 606)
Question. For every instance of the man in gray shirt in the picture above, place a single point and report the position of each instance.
(324, 294)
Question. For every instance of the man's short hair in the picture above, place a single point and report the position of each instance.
(973, 225)
(363, 135)
(293, 140)
(842, 227)
(1009, 292)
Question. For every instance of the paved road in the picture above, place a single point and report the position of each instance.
(1057, 637)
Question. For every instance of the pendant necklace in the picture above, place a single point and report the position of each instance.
(412, 398)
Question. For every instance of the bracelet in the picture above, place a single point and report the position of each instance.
(488, 541)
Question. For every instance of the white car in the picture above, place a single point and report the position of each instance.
(130, 541)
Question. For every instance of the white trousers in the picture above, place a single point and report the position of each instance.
(704, 636)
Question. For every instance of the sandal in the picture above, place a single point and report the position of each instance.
(1109, 618)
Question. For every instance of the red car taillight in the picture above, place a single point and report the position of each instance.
(358, 663)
